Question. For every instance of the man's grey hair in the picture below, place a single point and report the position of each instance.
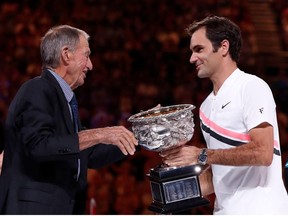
(55, 39)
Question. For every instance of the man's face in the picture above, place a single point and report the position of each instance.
(80, 64)
(206, 61)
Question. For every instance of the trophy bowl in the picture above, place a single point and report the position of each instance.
(163, 128)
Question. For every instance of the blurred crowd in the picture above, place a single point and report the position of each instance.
(140, 54)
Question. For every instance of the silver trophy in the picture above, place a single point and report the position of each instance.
(173, 189)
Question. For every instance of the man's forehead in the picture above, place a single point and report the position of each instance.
(198, 38)
(199, 34)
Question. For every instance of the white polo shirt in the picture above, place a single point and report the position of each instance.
(243, 102)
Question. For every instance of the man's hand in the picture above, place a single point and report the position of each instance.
(117, 135)
(1, 160)
(181, 156)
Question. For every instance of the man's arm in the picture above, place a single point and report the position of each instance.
(257, 152)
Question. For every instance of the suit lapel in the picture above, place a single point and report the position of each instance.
(63, 102)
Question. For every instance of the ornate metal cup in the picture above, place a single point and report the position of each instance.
(165, 127)
(173, 189)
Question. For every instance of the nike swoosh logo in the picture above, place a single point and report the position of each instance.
(223, 106)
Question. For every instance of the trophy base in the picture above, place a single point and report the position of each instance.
(176, 189)
(178, 206)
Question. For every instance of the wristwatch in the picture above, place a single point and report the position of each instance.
(202, 158)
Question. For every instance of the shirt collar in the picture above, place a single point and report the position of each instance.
(64, 86)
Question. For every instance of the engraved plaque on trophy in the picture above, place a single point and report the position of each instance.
(173, 189)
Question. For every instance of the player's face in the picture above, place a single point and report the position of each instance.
(204, 57)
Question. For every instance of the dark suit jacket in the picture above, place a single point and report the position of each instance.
(41, 153)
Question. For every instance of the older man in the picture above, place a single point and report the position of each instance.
(47, 153)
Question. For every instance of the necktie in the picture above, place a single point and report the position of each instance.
(74, 109)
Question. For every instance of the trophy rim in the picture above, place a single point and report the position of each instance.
(176, 109)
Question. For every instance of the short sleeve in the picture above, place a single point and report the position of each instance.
(259, 104)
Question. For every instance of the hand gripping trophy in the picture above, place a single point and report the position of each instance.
(173, 189)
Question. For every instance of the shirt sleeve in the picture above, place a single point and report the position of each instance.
(259, 104)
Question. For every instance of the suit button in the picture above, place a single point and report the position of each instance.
(64, 150)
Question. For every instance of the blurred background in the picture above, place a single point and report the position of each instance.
(140, 54)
